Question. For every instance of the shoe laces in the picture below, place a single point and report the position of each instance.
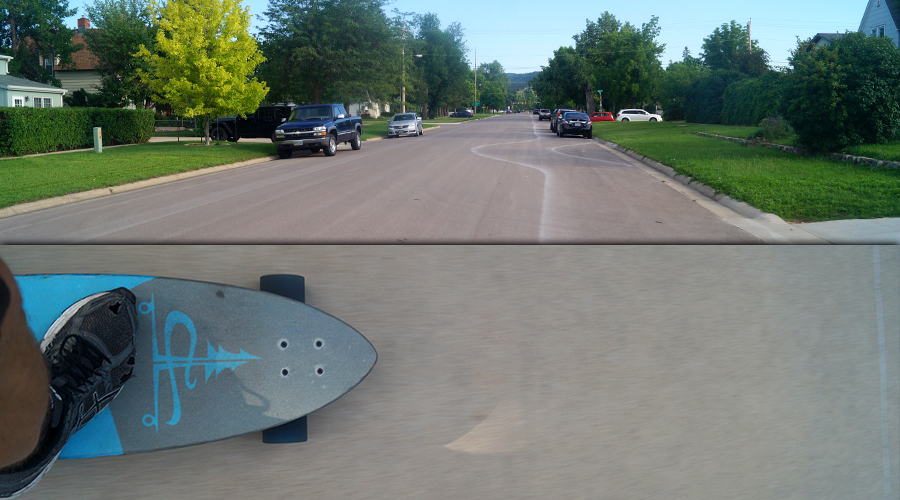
(80, 366)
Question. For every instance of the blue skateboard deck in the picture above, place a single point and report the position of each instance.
(212, 361)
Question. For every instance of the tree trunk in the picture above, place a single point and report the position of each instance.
(12, 35)
(207, 129)
(589, 97)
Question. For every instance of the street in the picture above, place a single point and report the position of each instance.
(677, 372)
(506, 179)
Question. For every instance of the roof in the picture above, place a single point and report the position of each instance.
(9, 81)
(84, 59)
(830, 37)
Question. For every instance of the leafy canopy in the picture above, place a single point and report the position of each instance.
(204, 59)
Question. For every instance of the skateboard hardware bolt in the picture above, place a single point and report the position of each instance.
(285, 372)
(319, 343)
(320, 370)
(283, 344)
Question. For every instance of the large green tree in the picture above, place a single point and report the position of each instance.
(33, 31)
(623, 61)
(331, 50)
(204, 59)
(493, 85)
(845, 94)
(675, 82)
(436, 78)
(728, 47)
(559, 84)
(122, 27)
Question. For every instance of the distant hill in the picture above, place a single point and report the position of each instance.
(518, 81)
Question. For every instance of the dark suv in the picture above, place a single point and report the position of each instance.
(260, 123)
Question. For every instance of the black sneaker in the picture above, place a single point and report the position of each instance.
(90, 349)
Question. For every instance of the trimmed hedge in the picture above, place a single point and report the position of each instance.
(748, 102)
(705, 97)
(43, 130)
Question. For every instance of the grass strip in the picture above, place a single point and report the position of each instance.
(38, 177)
(796, 188)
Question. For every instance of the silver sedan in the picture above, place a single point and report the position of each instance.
(404, 124)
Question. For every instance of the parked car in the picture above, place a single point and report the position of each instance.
(461, 114)
(637, 115)
(544, 114)
(260, 123)
(535, 111)
(317, 127)
(573, 123)
(555, 117)
(404, 124)
(602, 116)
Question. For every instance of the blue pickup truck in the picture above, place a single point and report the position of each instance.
(317, 127)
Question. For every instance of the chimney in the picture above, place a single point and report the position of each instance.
(4, 64)
(83, 25)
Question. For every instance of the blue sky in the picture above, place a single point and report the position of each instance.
(522, 35)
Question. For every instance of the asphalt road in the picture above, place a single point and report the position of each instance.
(506, 179)
(682, 372)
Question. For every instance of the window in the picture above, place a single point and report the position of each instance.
(881, 31)
(18, 102)
(37, 102)
(48, 103)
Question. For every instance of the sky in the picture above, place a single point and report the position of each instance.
(522, 35)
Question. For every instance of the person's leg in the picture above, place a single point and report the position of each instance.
(24, 378)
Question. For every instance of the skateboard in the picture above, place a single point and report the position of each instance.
(212, 361)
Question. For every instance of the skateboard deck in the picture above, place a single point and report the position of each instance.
(212, 361)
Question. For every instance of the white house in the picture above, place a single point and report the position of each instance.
(18, 92)
(882, 17)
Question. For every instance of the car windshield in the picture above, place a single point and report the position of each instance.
(404, 118)
(311, 113)
(576, 116)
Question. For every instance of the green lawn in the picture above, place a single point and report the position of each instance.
(887, 152)
(37, 177)
(795, 188)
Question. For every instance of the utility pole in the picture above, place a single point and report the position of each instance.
(749, 38)
(474, 103)
(403, 83)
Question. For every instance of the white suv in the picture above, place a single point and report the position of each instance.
(636, 115)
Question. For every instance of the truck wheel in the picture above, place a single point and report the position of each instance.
(284, 154)
(218, 134)
(331, 148)
(356, 142)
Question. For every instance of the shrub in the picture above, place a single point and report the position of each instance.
(705, 97)
(747, 102)
(773, 128)
(845, 94)
(43, 130)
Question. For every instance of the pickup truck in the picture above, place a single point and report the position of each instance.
(317, 127)
(260, 123)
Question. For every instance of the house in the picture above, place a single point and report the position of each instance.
(822, 39)
(18, 92)
(82, 74)
(882, 18)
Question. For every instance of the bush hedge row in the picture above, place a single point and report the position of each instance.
(748, 102)
(44, 130)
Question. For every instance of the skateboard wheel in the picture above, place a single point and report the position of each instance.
(293, 287)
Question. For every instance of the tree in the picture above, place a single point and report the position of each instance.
(623, 60)
(436, 80)
(844, 94)
(122, 26)
(675, 82)
(331, 50)
(493, 85)
(204, 58)
(33, 31)
(559, 84)
(728, 47)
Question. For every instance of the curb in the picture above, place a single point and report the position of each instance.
(100, 192)
(736, 205)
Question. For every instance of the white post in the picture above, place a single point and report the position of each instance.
(98, 140)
